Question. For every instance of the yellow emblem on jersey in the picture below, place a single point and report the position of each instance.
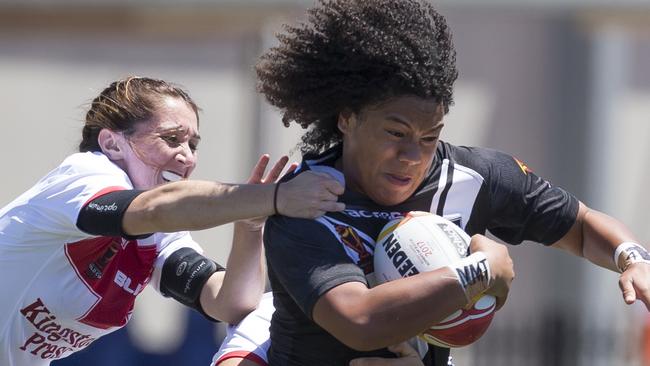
(523, 166)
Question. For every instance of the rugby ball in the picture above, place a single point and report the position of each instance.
(421, 242)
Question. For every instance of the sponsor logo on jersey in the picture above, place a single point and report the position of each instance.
(367, 214)
(125, 282)
(349, 237)
(50, 339)
(114, 271)
(96, 268)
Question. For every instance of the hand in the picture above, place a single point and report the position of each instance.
(257, 177)
(635, 283)
(501, 267)
(407, 356)
(309, 195)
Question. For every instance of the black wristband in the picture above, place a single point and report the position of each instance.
(275, 198)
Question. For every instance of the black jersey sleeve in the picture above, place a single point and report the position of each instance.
(103, 215)
(307, 259)
(524, 206)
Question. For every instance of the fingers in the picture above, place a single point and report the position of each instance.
(635, 283)
(331, 206)
(403, 349)
(331, 183)
(501, 300)
(257, 175)
(376, 361)
(368, 361)
(258, 170)
(501, 267)
(275, 172)
(627, 287)
(406, 356)
(292, 167)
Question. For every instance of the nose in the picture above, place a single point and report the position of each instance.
(186, 156)
(410, 153)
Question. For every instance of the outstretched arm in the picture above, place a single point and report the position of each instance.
(596, 236)
(198, 205)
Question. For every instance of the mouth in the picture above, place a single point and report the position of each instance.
(400, 180)
(169, 176)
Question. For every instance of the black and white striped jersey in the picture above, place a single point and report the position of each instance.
(479, 189)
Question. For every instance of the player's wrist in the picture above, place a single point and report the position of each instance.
(474, 274)
(276, 188)
(628, 253)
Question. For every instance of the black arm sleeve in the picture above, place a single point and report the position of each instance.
(104, 214)
(307, 259)
(523, 205)
(183, 276)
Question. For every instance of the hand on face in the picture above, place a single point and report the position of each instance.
(635, 283)
(406, 356)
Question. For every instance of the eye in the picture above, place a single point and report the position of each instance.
(193, 146)
(395, 133)
(171, 140)
(430, 139)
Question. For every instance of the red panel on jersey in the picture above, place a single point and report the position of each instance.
(115, 270)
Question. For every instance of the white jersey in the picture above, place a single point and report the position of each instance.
(63, 288)
(250, 339)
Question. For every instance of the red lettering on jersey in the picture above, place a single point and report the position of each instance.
(33, 310)
(115, 272)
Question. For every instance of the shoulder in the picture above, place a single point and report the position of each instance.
(471, 155)
(484, 161)
(89, 163)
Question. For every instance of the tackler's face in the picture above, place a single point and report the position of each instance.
(388, 147)
(163, 149)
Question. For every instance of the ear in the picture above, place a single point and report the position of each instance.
(346, 121)
(111, 142)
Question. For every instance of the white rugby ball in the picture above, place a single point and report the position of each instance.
(421, 242)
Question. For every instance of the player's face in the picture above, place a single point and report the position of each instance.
(163, 149)
(388, 148)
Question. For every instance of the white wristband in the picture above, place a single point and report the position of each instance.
(473, 274)
(627, 253)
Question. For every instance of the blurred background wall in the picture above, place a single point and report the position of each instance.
(563, 85)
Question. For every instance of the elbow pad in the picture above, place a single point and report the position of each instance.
(183, 276)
